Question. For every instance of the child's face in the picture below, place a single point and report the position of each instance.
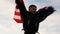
(32, 9)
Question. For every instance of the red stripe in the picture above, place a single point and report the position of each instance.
(17, 13)
(16, 7)
(18, 21)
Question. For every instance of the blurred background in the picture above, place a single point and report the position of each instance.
(51, 25)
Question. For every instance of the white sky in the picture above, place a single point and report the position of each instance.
(51, 25)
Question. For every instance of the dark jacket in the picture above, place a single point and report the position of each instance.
(31, 21)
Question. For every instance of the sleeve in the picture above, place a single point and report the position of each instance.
(21, 6)
(50, 10)
(46, 12)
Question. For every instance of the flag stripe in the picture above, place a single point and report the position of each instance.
(17, 13)
(18, 21)
(17, 10)
(17, 17)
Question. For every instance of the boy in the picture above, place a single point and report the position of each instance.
(32, 18)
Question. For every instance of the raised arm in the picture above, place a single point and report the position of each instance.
(46, 10)
(49, 10)
(21, 6)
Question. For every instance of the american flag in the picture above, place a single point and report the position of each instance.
(17, 15)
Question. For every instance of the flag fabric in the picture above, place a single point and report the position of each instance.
(17, 15)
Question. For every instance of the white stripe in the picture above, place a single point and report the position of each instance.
(17, 10)
(17, 17)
